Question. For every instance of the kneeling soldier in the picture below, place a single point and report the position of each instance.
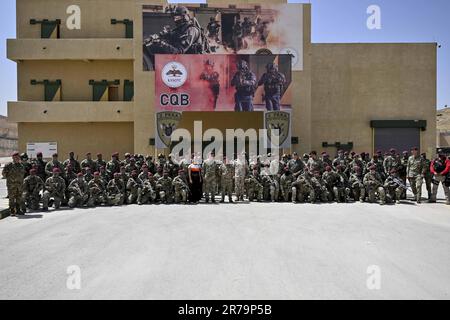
(357, 185)
(32, 186)
(181, 187)
(164, 186)
(55, 186)
(255, 187)
(115, 191)
(302, 188)
(374, 185)
(134, 188)
(394, 187)
(96, 191)
(78, 192)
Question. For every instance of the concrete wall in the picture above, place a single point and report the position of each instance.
(103, 137)
(353, 84)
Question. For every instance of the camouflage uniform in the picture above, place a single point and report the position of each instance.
(55, 187)
(113, 166)
(226, 180)
(427, 174)
(320, 189)
(341, 188)
(209, 171)
(181, 188)
(32, 186)
(415, 168)
(148, 193)
(115, 191)
(14, 174)
(165, 188)
(134, 189)
(315, 165)
(255, 187)
(357, 186)
(52, 165)
(269, 186)
(286, 184)
(394, 187)
(40, 164)
(73, 163)
(78, 192)
(302, 189)
(97, 194)
(89, 163)
(374, 185)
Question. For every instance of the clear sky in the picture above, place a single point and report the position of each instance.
(332, 21)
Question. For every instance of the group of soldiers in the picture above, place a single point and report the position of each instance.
(141, 180)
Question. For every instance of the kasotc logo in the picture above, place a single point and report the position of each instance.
(174, 74)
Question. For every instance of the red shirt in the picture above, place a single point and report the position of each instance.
(446, 170)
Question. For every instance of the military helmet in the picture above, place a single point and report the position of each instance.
(271, 66)
(24, 156)
(180, 14)
(242, 65)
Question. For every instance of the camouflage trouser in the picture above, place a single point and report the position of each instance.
(181, 195)
(286, 191)
(134, 195)
(359, 192)
(372, 193)
(239, 185)
(115, 199)
(436, 182)
(227, 189)
(392, 194)
(322, 194)
(165, 196)
(96, 199)
(147, 195)
(31, 200)
(428, 179)
(416, 186)
(76, 200)
(16, 202)
(210, 187)
(56, 197)
(255, 190)
(341, 194)
(269, 192)
(302, 193)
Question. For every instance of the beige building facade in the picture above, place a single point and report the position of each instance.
(351, 96)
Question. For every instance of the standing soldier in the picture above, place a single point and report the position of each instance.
(113, 166)
(314, 163)
(379, 167)
(26, 165)
(240, 172)
(226, 178)
(100, 162)
(343, 190)
(326, 159)
(210, 172)
(150, 164)
(269, 184)
(52, 164)
(427, 173)
(78, 192)
(131, 166)
(32, 186)
(415, 169)
(245, 83)
(255, 187)
(213, 29)
(394, 187)
(14, 174)
(55, 187)
(296, 165)
(165, 187)
(374, 185)
(115, 191)
(181, 187)
(89, 163)
(274, 83)
(40, 164)
(103, 176)
(73, 162)
(212, 78)
(357, 184)
(391, 161)
(440, 168)
(96, 191)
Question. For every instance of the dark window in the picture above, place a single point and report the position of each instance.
(401, 139)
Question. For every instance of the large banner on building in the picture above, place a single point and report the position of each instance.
(223, 29)
(223, 82)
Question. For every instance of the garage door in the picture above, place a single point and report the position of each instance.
(400, 139)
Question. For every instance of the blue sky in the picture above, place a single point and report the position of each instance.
(332, 21)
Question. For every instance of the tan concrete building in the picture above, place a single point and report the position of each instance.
(353, 96)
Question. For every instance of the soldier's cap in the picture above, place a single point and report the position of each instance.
(15, 154)
(324, 153)
(96, 173)
(39, 154)
(305, 155)
(392, 150)
(99, 155)
(393, 171)
(346, 153)
(71, 152)
(375, 155)
(56, 170)
(33, 171)
(423, 154)
(127, 155)
(405, 152)
(372, 168)
(24, 155)
(313, 153)
(328, 168)
(102, 167)
(116, 175)
(379, 151)
(294, 153)
(88, 153)
(144, 166)
(55, 155)
(132, 159)
(115, 154)
(340, 151)
(353, 153)
(148, 157)
(414, 149)
(79, 174)
(150, 174)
